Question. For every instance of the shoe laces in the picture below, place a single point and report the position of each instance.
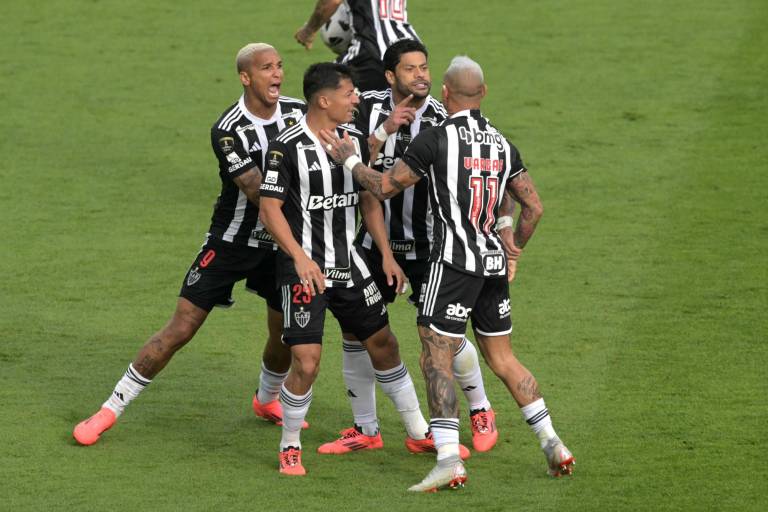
(291, 456)
(480, 422)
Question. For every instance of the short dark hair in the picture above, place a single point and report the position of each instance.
(392, 55)
(324, 75)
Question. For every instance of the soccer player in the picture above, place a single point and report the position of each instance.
(376, 25)
(468, 164)
(309, 205)
(237, 247)
(394, 117)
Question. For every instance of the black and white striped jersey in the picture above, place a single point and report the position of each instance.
(376, 24)
(320, 201)
(240, 140)
(468, 163)
(407, 216)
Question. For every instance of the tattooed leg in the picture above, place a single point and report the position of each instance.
(159, 349)
(436, 365)
(497, 352)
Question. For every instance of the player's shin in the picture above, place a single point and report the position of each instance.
(398, 386)
(126, 390)
(466, 371)
(295, 408)
(361, 386)
(270, 383)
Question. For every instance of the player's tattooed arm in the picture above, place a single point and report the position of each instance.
(436, 364)
(324, 9)
(388, 184)
(524, 192)
(249, 182)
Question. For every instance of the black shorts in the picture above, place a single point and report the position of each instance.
(450, 298)
(415, 270)
(217, 268)
(359, 310)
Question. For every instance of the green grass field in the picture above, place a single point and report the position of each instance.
(639, 304)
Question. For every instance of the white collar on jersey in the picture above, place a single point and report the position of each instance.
(255, 119)
(465, 113)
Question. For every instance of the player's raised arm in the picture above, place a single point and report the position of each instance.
(524, 192)
(381, 185)
(324, 9)
(402, 114)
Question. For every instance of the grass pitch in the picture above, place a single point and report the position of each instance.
(639, 304)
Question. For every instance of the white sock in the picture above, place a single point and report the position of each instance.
(398, 386)
(445, 432)
(361, 386)
(537, 416)
(126, 390)
(295, 409)
(466, 371)
(269, 384)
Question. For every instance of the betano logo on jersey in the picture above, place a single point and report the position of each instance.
(471, 136)
(331, 202)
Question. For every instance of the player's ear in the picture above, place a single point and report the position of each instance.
(483, 91)
(245, 79)
(390, 76)
(322, 102)
(445, 94)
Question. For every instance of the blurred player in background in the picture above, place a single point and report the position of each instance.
(393, 117)
(236, 247)
(375, 25)
(468, 164)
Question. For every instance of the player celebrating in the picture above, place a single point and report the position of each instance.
(236, 246)
(309, 206)
(468, 163)
(376, 25)
(394, 117)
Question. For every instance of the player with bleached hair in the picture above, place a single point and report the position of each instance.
(468, 164)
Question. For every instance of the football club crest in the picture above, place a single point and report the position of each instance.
(302, 317)
(193, 276)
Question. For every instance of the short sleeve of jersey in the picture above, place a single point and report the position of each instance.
(279, 175)
(516, 162)
(233, 158)
(423, 150)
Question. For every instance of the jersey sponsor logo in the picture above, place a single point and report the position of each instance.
(233, 158)
(255, 147)
(483, 164)
(504, 308)
(240, 163)
(472, 135)
(262, 235)
(302, 317)
(372, 295)
(193, 276)
(405, 137)
(386, 162)
(401, 246)
(274, 158)
(271, 177)
(494, 262)
(457, 312)
(272, 188)
(315, 167)
(227, 144)
(331, 202)
(338, 273)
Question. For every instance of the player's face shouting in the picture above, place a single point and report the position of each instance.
(265, 76)
(412, 75)
(343, 102)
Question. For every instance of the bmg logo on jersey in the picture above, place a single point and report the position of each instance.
(470, 136)
(504, 308)
(331, 202)
(457, 312)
